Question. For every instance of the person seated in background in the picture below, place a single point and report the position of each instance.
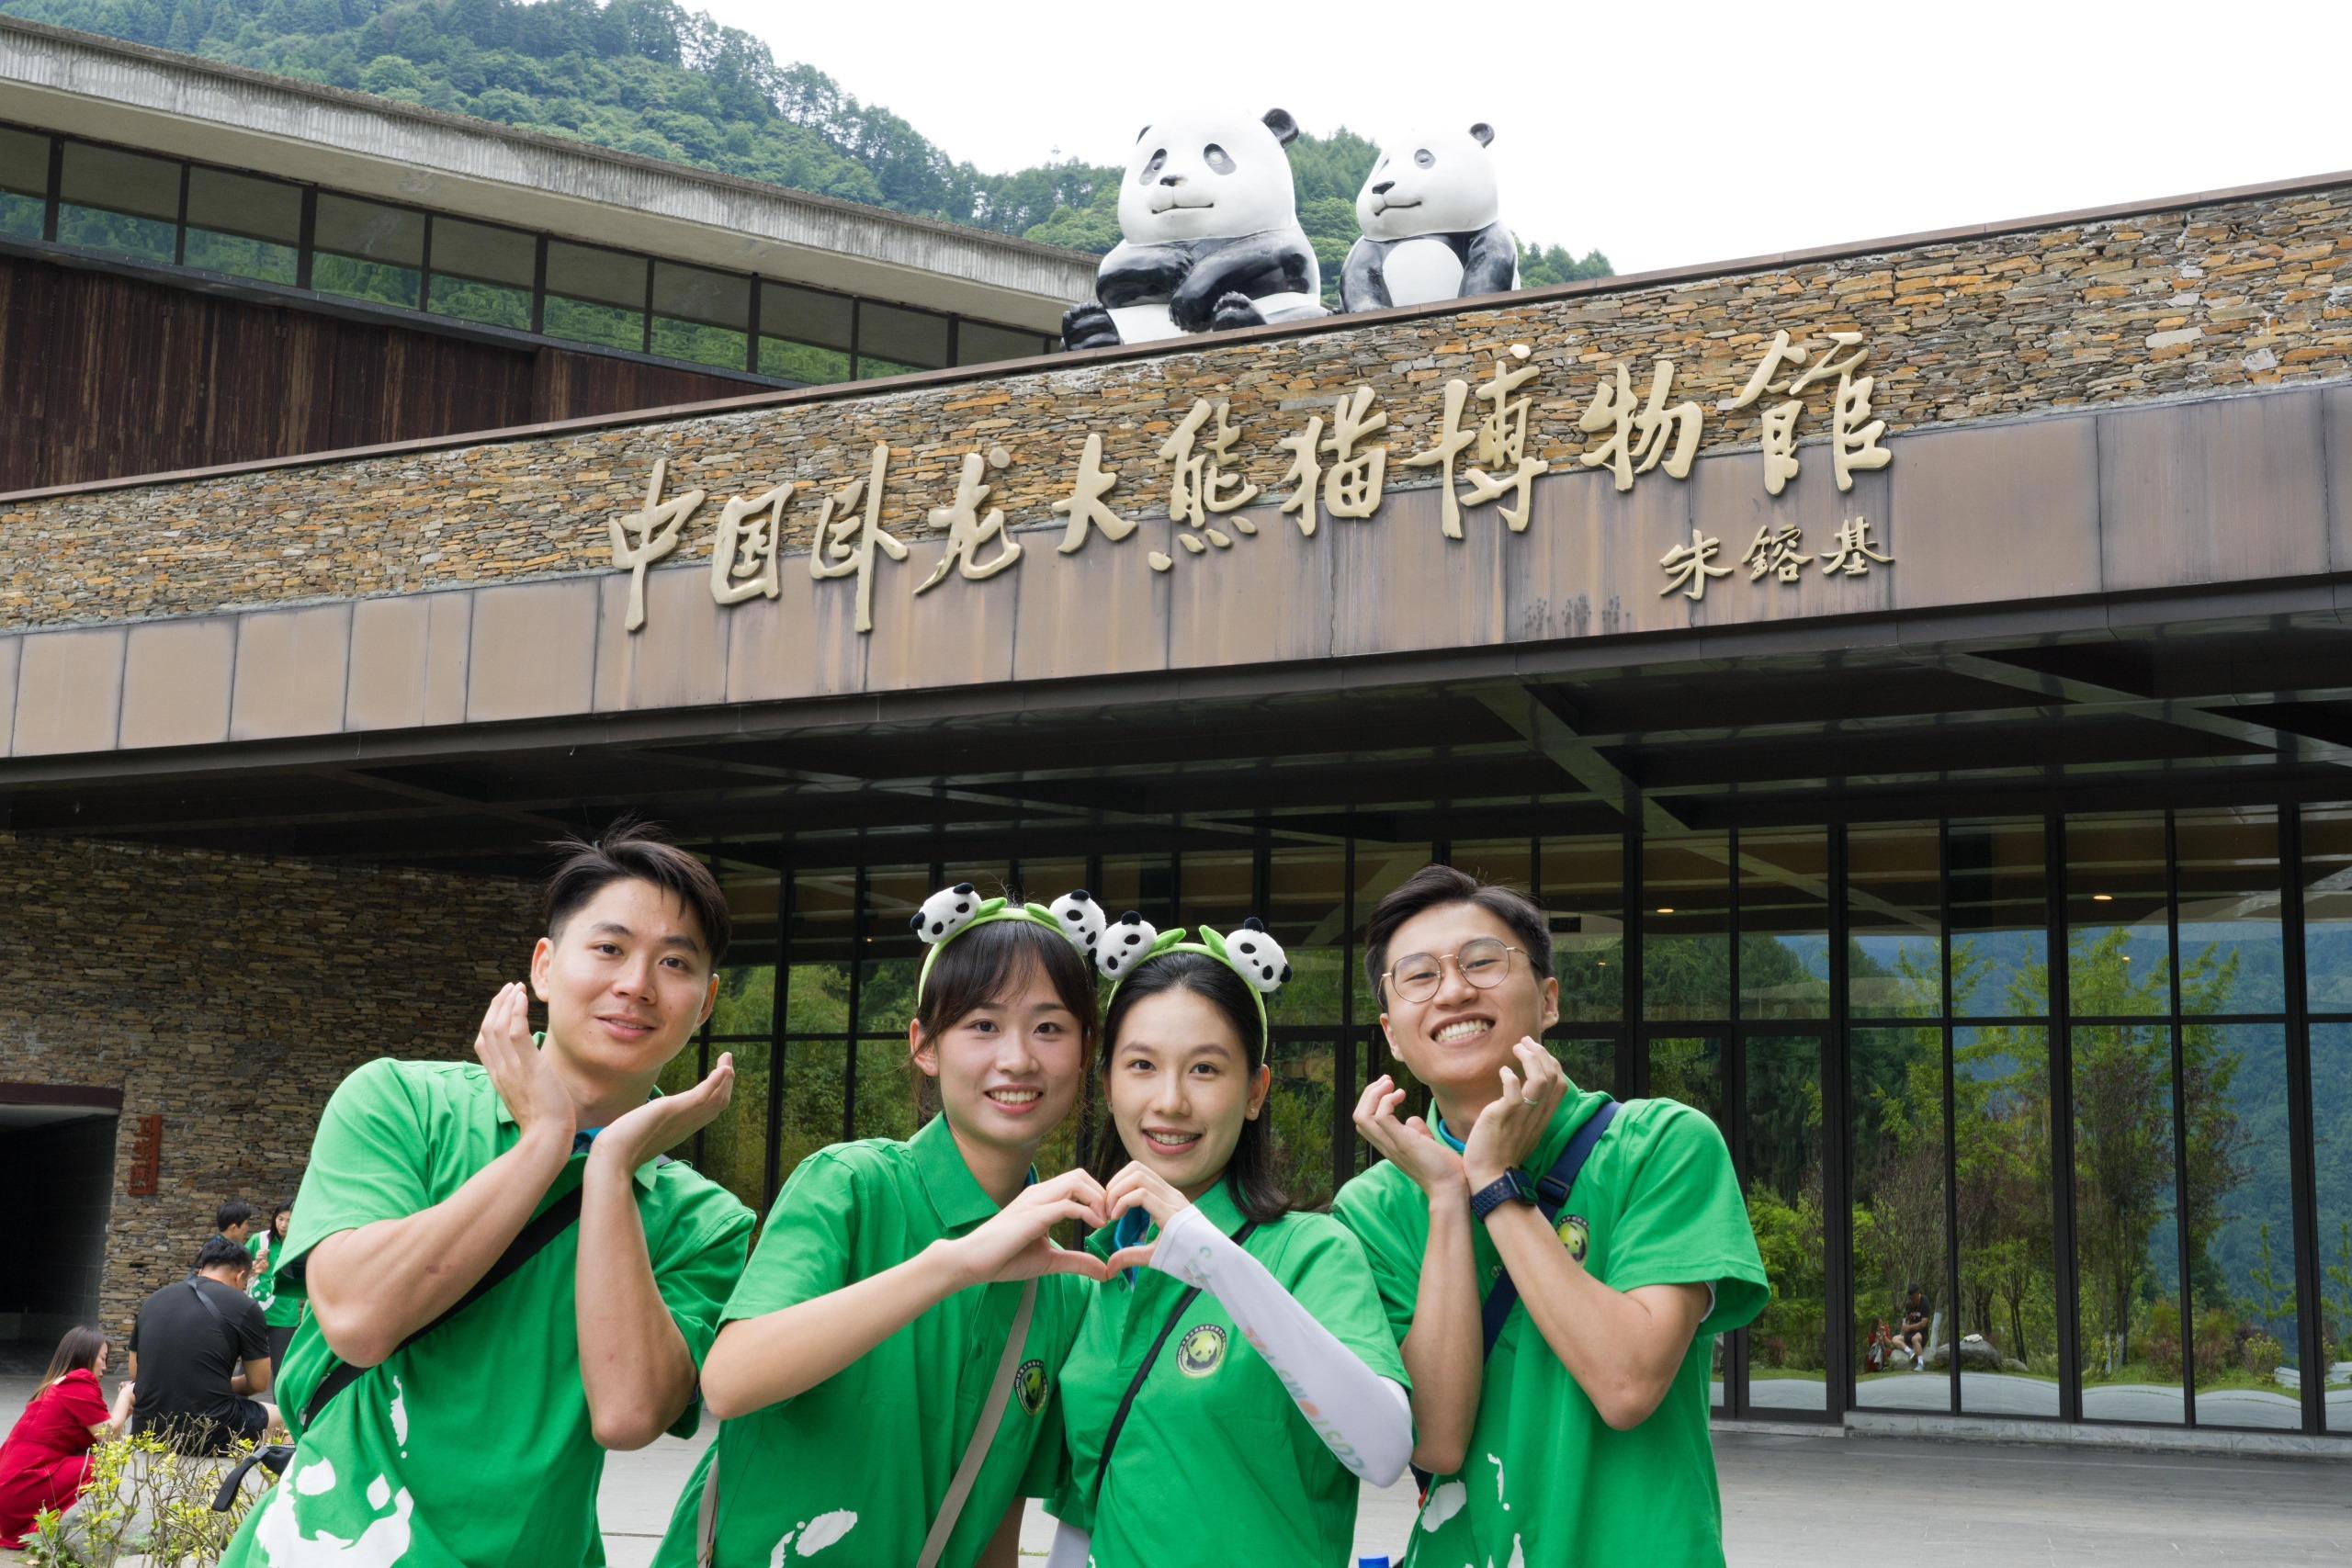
(1912, 1335)
(184, 1350)
(45, 1462)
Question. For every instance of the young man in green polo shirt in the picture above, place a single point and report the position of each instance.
(1583, 1437)
(480, 1440)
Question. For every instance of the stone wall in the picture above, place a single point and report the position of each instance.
(229, 996)
(2169, 304)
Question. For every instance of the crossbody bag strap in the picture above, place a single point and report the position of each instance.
(533, 1238)
(976, 1452)
(1143, 1371)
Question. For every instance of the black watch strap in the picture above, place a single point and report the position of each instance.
(1504, 1189)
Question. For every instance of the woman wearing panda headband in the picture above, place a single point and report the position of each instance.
(897, 1281)
(1237, 1372)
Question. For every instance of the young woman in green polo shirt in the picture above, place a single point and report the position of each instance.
(859, 1355)
(1237, 1366)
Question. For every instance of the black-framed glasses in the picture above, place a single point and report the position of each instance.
(1484, 963)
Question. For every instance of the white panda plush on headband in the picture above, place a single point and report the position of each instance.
(945, 912)
(1211, 235)
(1259, 956)
(1123, 943)
(1081, 919)
(1432, 225)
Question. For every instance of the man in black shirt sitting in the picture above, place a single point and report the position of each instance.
(184, 1348)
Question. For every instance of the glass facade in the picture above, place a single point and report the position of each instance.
(244, 226)
(2077, 1091)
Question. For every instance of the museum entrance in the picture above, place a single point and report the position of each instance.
(57, 1146)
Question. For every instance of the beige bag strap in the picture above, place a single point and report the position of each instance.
(976, 1452)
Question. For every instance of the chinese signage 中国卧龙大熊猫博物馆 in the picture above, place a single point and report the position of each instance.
(1634, 436)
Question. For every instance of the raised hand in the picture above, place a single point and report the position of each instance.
(1138, 1185)
(1509, 1129)
(524, 1077)
(1017, 1244)
(667, 1122)
(1409, 1145)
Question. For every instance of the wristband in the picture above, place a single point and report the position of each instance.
(1509, 1187)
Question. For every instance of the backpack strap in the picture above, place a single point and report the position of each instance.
(1143, 1371)
(976, 1450)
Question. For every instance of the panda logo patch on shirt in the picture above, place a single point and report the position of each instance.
(1574, 1234)
(1029, 1385)
(1201, 1351)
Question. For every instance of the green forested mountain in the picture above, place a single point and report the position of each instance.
(651, 77)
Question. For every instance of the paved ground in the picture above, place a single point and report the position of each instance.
(1798, 1502)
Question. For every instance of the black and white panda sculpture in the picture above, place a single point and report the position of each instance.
(1432, 225)
(1211, 235)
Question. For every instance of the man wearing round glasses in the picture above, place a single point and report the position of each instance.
(1553, 1266)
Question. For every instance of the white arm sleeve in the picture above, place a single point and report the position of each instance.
(1364, 1419)
(1072, 1548)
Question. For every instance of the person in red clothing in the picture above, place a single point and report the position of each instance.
(45, 1461)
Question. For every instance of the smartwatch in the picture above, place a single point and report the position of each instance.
(1509, 1187)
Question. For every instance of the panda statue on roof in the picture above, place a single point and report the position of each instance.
(1211, 235)
(1433, 224)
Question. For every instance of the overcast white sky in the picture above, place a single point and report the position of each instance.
(1664, 134)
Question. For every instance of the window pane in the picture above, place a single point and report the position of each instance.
(804, 363)
(2231, 956)
(1218, 888)
(870, 368)
(909, 338)
(2127, 1242)
(735, 1147)
(1299, 1106)
(24, 183)
(242, 226)
(700, 315)
(891, 957)
(1690, 1069)
(1584, 897)
(824, 906)
(1686, 930)
(1897, 1096)
(2008, 1349)
(1788, 1346)
(2119, 942)
(2241, 1222)
(1784, 923)
(1042, 881)
(120, 203)
(1306, 912)
(1591, 1063)
(2327, 907)
(1380, 867)
(2331, 1138)
(1895, 920)
(2000, 920)
(481, 273)
(595, 296)
(805, 315)
(365, 251)
(887, 1107)
(746, 1003)
(1506, 861)
(976, 343)
(814, 1072)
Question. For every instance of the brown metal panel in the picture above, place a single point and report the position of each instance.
(1101, 610)
(391, 641)
(1588, 565)
(2335, 419)
(1728, 504)
(1398, 583)
(69, 692)
(447, 652)
(290, 670)
(534, 650)
(803, 641)
(1267, 596)
(175, 681)
(10, 649)
(677, 659)
(1997, 512)
(2221, 491)
(960, 632)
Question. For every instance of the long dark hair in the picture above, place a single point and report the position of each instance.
(1249, 1175)
(78, 1352)
(989, 960)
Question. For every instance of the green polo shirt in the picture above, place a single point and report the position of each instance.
(263, 1286)
(860, 1463)
(471, 1445)
(1214, 1440)
(1546, 1480)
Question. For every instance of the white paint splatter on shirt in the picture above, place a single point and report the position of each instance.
(282, 1544)
(823, 1530)
(1445, 1502)
(1495, 1460)
(316, 1477)
(379, 1492)
(400, 1413)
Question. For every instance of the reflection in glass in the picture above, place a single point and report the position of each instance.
(2000, 920)
(733, 1150)
(2327, 907)
(824, 910)
(1306, 912)
(2241, 1222)
(1685, 916)
(2008, 1319)
(2126, 1239)
(1894, 922)
(891, 956)
(976, 343)
(886, 1102)
(2231, 956)
(364, 250)
(594, 296)
(24, 183)
(1784, 923)
(1219, 889)
(2332, 1138)
(246, 227)
(481, 273)
(1298, 1105)
(2119, 942)
(1896, 1093)
(1379, 868)
(121, 203)
(746, 1003)
(1589, 1063)
(815, 1076)
(1689, 1067)
(1584, 897)
(1788, 1344)
(698, 314)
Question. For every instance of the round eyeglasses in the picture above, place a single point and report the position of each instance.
(1484, 963)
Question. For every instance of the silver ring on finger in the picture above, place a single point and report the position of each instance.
(1530, 1100)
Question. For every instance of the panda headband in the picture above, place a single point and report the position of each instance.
(1131, 942)
(950, 912)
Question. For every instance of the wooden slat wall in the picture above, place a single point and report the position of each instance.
(102, 376)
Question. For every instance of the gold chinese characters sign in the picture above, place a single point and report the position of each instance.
(1335, 466)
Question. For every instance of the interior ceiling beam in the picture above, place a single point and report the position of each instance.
(1550, 738)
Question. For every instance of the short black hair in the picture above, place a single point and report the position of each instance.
(222, 1253)
(630, 849)
(235, 1212)
(1434, 886)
